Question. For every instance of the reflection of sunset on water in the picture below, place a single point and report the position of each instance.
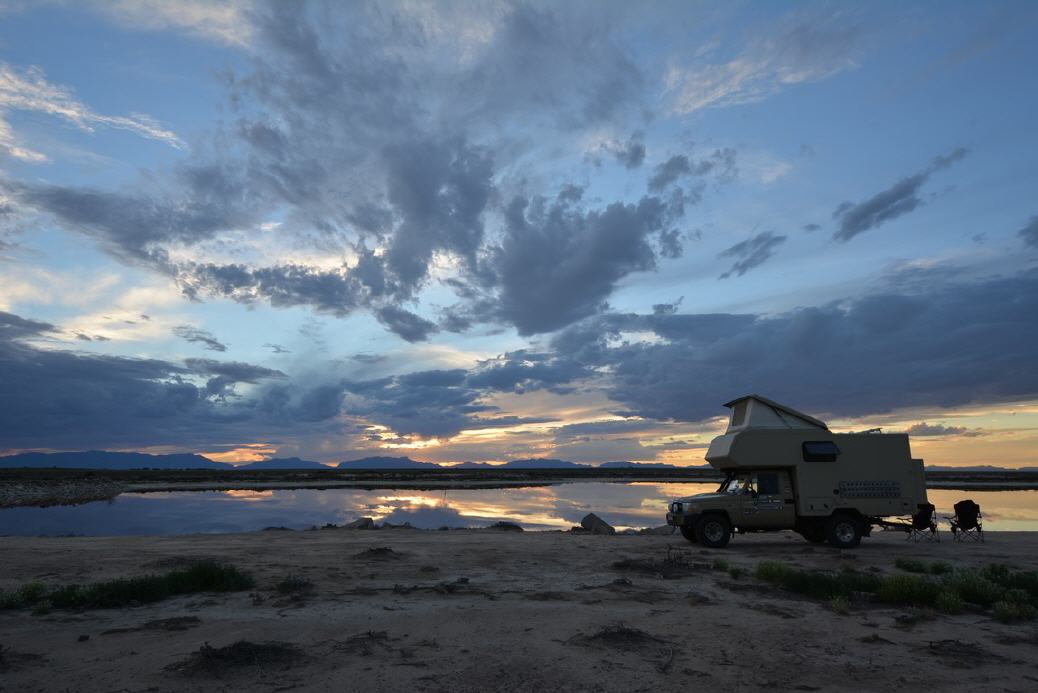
(560, 506)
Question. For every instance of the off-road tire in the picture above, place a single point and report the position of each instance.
(843, 531)
(713, 531)
(690, 534)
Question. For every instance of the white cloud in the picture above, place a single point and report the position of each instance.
(808, 52)
(30, 91)
(223, 22)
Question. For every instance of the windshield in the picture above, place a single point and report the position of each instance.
(737, 483)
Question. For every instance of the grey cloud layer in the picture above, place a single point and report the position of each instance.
(341, 128)
(897, 200)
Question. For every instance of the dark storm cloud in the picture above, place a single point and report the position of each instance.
(897, 200)
(1029, 233)
(443, 402)
(199, 336)
(929, 348)
(405, 324)
(752, 252)
(558, 263)
(59, 399)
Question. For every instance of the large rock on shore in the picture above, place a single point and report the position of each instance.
(360, 523)
(596, 525)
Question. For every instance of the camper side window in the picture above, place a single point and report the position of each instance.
(738, 414)
(820, 451)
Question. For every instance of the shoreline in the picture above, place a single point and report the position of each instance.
(490, 610)
(55, 487)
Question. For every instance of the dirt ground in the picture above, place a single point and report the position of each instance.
(478, 610)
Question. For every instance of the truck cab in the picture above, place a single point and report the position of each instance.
(785, 470)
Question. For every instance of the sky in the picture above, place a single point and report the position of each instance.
(486, 231)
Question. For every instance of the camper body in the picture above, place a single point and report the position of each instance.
(787, 470)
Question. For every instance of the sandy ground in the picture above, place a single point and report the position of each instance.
(508, 611)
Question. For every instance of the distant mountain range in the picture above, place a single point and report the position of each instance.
(101, 459)
(284, 463)
(386, 463)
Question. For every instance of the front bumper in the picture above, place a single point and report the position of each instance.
(681, 519)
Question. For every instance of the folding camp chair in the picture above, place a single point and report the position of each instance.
(967, 522)
(924, 525)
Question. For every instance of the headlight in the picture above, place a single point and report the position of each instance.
(675, 507)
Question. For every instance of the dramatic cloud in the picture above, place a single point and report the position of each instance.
(200, 336)
(928, 348)
(1029, 233)
(558, 263)
(61, 399)
(752, 252)
(30, 91)
(901, 198)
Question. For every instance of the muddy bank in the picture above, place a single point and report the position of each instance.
(503, 611)
(46, 493)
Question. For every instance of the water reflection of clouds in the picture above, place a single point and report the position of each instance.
(560, 506)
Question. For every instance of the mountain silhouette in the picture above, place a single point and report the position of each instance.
(103, 459)
(284, 463)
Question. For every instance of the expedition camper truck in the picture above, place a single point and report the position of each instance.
(787, 470)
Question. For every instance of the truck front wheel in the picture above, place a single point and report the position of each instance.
(689, 533)
(843, 531)
(713, 531)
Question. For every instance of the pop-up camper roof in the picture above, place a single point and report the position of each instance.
(754, 411)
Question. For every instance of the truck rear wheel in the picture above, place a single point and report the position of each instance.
(713, 531)
(689, 533)
(843, 531)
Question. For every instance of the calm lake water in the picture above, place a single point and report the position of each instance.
(560, 506)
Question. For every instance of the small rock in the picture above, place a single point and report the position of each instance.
(360, 523)
(596, 525)
(84, 638)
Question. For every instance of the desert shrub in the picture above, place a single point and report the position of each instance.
(912, 565)
(840, 605)
(1003, 575)
(908, 590)
(32, 592)
(816, 583)
(949, 602)
(10, 600)
(736, 572)
(207, 576)
(720, 564)
(1010, 611)
(973, 587)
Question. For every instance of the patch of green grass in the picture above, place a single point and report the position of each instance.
(816, 583)
(720, 564)
(914, 565)
(1008, 611)
(206, 576)
(736, 572)
(840, 605)
(1012, 594)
